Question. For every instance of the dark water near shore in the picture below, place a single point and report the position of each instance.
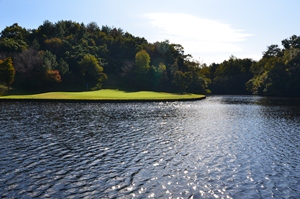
(220, 147)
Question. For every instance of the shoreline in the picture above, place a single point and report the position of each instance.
(98, 100)
(104, 96)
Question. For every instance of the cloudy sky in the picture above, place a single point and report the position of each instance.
(209, 30)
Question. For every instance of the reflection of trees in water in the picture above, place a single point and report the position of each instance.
(278, 101)
(284, 108)
(280, 124)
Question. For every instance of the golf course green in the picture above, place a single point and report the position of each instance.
(105, 95)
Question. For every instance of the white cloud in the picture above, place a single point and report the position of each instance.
(197, 35)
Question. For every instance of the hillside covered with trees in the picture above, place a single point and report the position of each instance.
(71, 56)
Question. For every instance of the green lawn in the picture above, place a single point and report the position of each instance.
(106, 95)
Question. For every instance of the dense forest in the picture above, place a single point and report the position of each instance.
(277, 73)
(71, 56)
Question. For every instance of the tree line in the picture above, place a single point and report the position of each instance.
(277, 73)
(71, 56)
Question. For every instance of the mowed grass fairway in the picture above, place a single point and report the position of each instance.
(107, 95)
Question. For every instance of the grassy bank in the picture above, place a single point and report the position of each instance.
(106, 95)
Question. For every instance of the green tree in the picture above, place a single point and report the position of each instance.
(273, 51)
(158, 76)
(182, 80)
(62, 66)
(142, 66)
(92, 72)
(15, 32)
(292, 42)
(142, 62)
(231, 76)
(277, 73)
(49, 60)
(7, 71)
(10, 45)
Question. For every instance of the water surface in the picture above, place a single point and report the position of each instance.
(220, 147)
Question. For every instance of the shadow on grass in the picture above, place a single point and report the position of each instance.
(12, 91)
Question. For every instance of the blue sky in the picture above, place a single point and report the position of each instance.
(209, 30)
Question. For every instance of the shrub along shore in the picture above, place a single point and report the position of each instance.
(105, 95)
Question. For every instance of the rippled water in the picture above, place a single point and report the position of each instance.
(220, 147)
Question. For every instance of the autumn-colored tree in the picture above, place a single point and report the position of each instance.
(7, 71)
(53, 76)
(54, 45)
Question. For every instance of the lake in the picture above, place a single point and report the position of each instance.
(219, 147)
